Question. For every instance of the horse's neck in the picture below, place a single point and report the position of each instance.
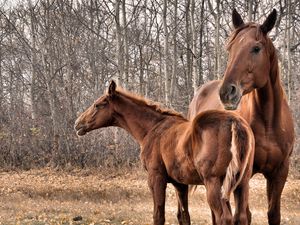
(136, 119)
(267, 103)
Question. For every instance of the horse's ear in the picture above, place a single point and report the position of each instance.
(112, 88)
(269, 22)
(237, 19)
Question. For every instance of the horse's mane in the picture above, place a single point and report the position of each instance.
(146, 102)
(275, 71)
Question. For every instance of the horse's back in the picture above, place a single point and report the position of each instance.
(206, 98)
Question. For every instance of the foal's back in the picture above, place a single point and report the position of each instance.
(188, 151)
(215, 135)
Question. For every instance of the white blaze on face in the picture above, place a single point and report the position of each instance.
(241, 39)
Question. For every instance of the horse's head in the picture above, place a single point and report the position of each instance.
(249, 59)
(98, 114)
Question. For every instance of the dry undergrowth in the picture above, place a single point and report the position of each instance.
(46, 196)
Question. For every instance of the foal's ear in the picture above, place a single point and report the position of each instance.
(269, 22)
(112, 88)
(237, 19)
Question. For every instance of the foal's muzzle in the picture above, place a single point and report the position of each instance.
(80, 129)
(230, 96)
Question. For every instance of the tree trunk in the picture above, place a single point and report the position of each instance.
(125, 41)
(174, 67)
(141, 75)
(119, 52)
(33, 56)
(194, 48)
(92, 52)
(250, 10)
(1, 82)
(161, 95)
(48, 59)
(166, 55)
(288, 46)
(217, 43)
(216, 15)
(200, 79)
(188, 49)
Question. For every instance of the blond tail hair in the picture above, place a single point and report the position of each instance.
(236, 169)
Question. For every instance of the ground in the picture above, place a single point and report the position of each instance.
(48, 196)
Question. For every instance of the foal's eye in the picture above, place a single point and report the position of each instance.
(100, 105)
(256, 49)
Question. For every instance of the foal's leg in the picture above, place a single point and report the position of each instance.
(213, 217)
(227, 207)
(275, 185)
(242, 214)
(157, 184)
(227, 215)
(182, 198)
(221, 212)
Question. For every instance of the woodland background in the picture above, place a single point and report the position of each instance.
(58, 56)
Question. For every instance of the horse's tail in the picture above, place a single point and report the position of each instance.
(242, 150)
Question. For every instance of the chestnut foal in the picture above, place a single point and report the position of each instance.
(215, 149)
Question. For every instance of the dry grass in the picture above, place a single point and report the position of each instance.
(45, 196)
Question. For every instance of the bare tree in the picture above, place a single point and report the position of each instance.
(194, 48)
(166, 53)
(125, 41)
(120, 50)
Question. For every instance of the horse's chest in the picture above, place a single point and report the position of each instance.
(269, 152)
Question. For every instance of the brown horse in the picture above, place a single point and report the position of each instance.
(252, 86)
(215, 149)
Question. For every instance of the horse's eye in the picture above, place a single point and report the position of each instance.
(256, 49)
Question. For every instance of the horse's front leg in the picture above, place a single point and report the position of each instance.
(182, 198)
(158, 184)
(275, 185)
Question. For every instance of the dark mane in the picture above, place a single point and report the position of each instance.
(146, 102)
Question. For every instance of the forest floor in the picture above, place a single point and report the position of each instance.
(46, 196)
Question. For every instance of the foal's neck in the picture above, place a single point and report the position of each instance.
(137, 119)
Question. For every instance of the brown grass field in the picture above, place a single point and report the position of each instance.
(46, 196)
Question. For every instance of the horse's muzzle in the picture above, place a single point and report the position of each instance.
(230, 96)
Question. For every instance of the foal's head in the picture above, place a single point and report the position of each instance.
(249, 62)
(98, 114)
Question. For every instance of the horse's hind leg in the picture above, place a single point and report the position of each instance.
(275, 185)
(182, 198)
(242, 214)
(221, 213)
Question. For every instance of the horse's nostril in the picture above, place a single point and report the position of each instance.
(233, 90)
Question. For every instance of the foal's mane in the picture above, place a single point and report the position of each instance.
(274, 67)
(155, 106)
